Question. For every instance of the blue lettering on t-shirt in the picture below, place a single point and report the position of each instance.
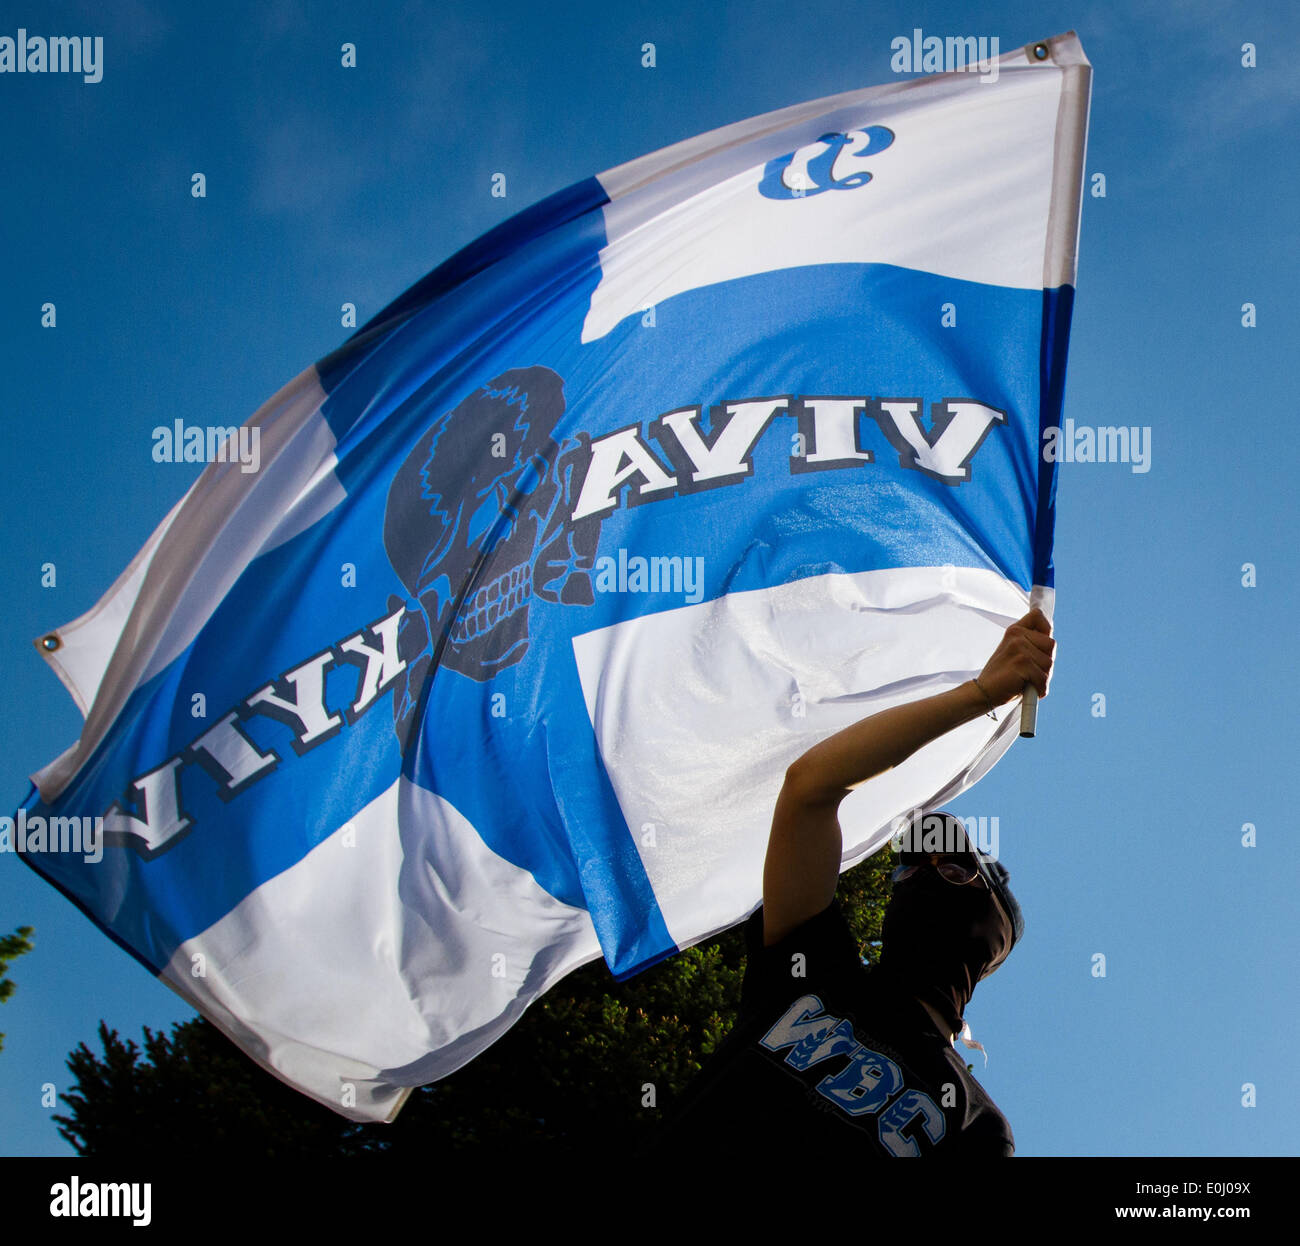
(901, 1113)
(865, 1085)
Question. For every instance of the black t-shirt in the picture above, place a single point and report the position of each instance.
(829, 1051)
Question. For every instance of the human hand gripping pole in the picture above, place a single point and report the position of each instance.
(1021, 665)
(805, 847)
(1029, 706)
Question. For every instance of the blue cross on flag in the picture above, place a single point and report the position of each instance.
(493, 660)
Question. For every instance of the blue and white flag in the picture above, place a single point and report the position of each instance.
(495, 662)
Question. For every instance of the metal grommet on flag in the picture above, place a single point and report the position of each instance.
(50, 643)
(1041, 51)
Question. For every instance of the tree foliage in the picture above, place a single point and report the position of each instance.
(11, 948)
(575, 1074)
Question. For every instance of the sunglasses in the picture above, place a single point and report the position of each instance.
(957, 872)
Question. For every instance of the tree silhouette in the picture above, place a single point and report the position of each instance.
(11, 947)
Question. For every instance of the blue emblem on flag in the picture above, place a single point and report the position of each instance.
(833, 162)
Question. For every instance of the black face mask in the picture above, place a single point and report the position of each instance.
(939, 939)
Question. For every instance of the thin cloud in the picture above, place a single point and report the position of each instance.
(1219, 94)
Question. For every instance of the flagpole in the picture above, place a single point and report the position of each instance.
(1029, 698)
(1061, 261)
(1029, 711)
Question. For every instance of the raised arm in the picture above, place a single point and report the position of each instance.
(805, 846)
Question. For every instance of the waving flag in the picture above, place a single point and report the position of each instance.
(482, 649)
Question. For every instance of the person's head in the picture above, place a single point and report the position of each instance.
(951, 920)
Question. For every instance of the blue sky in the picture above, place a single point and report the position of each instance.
(1123, 832)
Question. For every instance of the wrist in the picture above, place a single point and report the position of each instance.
(982, 698)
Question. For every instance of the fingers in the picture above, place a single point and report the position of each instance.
(1036, 628)
(1035, 654)
(1035, 620)
(1034, 647)
(1042, 644)
(1023, 659)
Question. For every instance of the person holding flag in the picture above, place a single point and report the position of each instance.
(833, 1051)
(549, 572)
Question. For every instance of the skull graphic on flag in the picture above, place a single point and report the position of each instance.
(477, 528)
